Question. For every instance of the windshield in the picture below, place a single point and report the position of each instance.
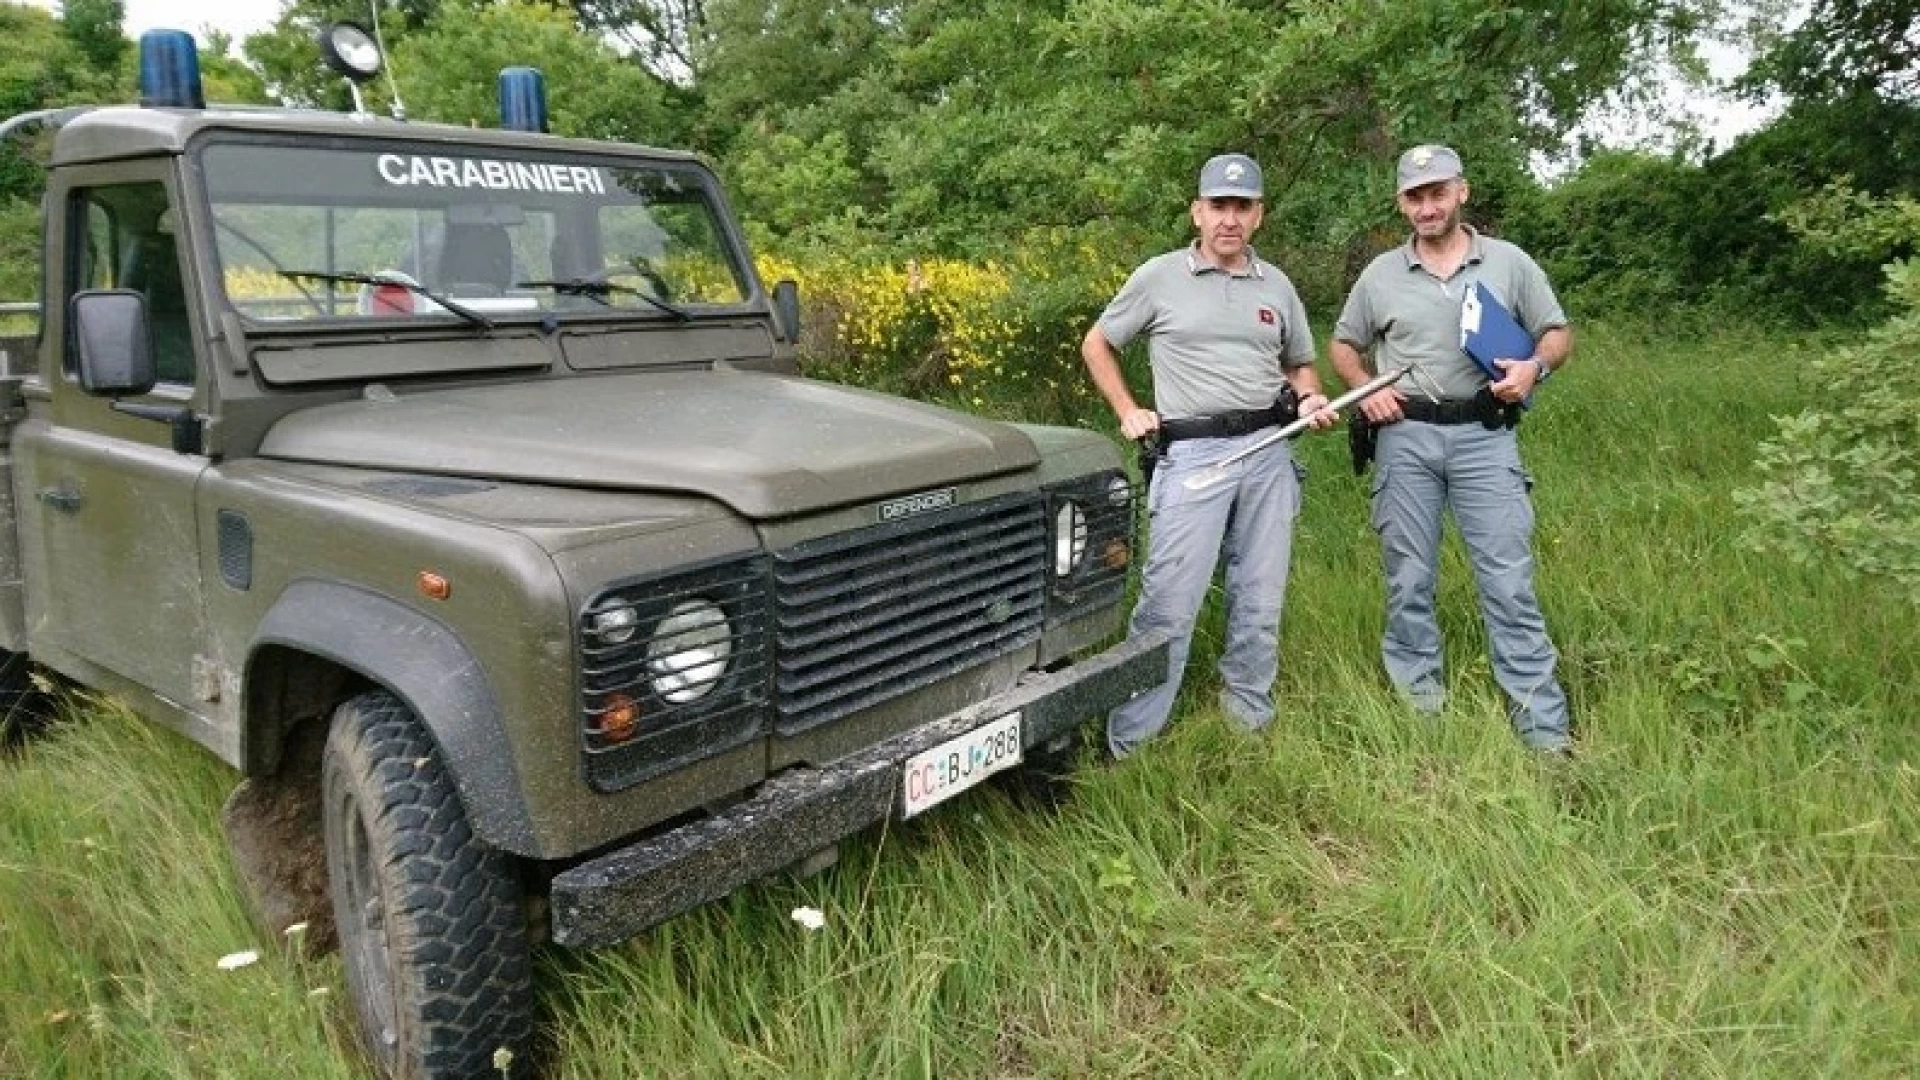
(397, 232)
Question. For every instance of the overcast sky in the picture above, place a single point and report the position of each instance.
(236, 17)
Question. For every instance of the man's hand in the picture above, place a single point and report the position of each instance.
(1384, 407)
(1313, 406)
(1135, 423)
(1516, 379)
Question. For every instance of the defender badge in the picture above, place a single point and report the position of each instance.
(918, 504)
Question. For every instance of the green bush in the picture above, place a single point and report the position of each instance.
(19, 250)
(1840, 482)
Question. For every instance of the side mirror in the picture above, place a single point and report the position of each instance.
(786, 309)
(113, 341)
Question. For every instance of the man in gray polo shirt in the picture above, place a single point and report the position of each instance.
(1459, 453)
(1226, 334)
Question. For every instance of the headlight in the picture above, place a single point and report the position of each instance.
(1069, 538)
(615, 625)
(690, 651)
(1119, 491)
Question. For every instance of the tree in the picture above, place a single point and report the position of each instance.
(288, 57)
(665, 34)
(47, 63)
(93, 28)
(449, 71)
(227, 78)
(1845, 48)
(966, 122)
(1630, 232)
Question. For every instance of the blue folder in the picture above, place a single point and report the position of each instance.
(1489, 332)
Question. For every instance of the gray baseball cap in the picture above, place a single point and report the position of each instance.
(1428, 165)
(1230, 176)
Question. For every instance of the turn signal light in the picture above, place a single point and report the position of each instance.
(1117, 555)
(621, 720)
(433, 586)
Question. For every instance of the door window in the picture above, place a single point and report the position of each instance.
(126, 241)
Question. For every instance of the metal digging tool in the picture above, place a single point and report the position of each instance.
(1217, 471)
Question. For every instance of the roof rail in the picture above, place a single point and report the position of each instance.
(50, 118)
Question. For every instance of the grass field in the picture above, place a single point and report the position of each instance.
(1725, 884)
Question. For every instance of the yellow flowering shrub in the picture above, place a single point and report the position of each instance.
(997, 337)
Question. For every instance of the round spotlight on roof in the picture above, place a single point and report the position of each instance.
(350, 50)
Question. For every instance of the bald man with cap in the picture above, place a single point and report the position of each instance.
(1458, 453)
(1232, 360)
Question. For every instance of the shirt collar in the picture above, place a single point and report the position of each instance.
(1197, 266)
(1476, 249)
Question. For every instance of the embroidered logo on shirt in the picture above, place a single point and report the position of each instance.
(1266, 316)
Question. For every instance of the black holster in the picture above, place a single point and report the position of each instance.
(1286, 407)
(1363, 440)
(1151, 448)
(1500, 414)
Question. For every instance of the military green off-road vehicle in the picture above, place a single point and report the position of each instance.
(459, 489)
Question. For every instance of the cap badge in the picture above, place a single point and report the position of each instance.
(1422, 158)
(1235, 171)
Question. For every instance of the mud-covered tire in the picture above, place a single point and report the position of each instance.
(432, 930)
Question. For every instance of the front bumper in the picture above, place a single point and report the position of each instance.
(797, 813)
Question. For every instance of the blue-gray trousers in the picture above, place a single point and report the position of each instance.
(1423, 470)
(1250, 514)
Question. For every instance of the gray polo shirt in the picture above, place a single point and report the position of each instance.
(1217, 339)
(1409, 314)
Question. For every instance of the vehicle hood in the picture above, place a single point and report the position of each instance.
(765, 445)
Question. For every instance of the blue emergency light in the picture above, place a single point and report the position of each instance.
(523, 99)
(170, 71)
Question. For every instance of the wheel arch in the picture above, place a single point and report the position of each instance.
(324, 641)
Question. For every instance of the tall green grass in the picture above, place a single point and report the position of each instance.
(1725, 883)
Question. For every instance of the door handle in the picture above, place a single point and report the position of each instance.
(65, 499)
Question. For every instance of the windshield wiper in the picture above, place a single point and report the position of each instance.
(597, 290)
(353, 278)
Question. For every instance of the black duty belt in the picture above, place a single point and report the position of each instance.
(1222, 425)
(1227, 425)
(1483, 409)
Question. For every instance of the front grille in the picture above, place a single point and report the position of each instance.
(677, 715)
(866, 616)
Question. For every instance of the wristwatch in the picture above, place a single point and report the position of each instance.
(1545, 371)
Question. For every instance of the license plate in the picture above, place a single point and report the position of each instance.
(938, 774)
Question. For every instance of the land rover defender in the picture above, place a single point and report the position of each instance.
(460, 489)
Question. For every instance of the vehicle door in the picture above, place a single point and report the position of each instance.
(112, 548)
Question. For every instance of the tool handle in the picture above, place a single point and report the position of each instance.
(1359, 393)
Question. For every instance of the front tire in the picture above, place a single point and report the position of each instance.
(432, 930)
